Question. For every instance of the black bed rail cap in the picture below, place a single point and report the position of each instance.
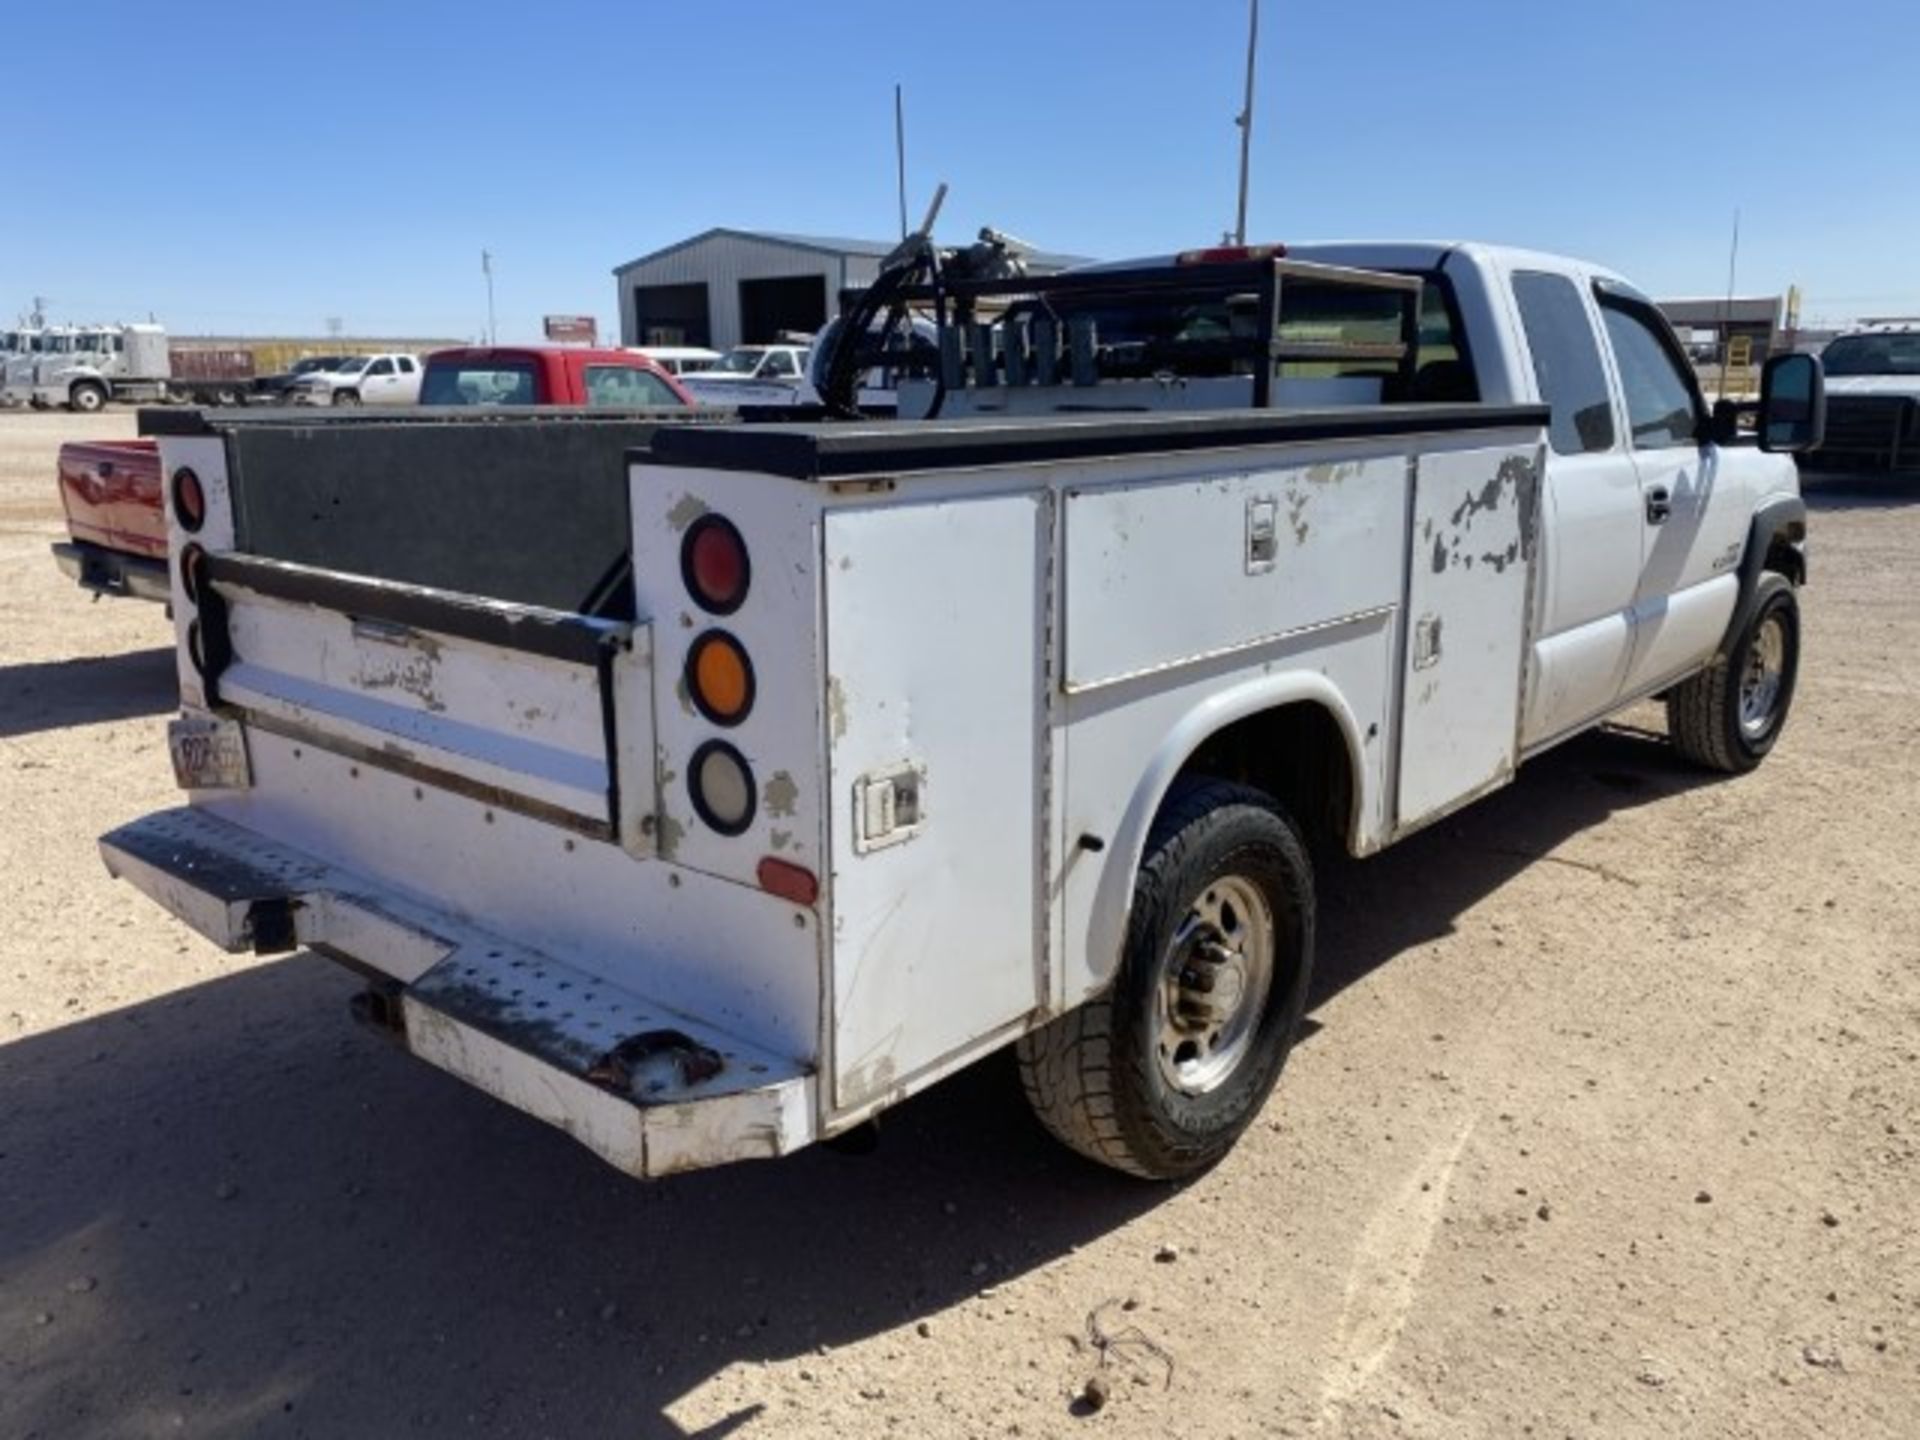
(838, 451)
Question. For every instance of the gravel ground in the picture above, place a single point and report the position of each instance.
(1606, 1126)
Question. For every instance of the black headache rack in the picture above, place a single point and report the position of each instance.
(1087, 327)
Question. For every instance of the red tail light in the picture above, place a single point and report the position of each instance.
(189, 500)
(714, 565)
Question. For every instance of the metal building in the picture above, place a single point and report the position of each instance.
(727, 287)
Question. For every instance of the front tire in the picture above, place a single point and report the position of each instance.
(87, 399)
(1728, 716)
(1161, 1074)
(346, 397)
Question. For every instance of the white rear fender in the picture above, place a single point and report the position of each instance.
(1126, 848)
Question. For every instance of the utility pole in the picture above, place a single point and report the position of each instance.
(900, 153)
(1726, 314)
(1245, 120)
(486, 268)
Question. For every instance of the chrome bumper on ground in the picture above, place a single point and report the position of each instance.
(111, 572)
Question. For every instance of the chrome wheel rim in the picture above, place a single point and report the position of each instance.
(1761, 681)
(1215, 977)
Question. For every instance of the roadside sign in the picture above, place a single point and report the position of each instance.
(572, 329)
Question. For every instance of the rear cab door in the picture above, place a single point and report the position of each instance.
(1593, 508)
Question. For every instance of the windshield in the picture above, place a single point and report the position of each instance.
(741, 360)
(494, 382)
(1873, 355)
(313, 363)
(353, 366)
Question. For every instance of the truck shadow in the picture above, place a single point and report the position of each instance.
(229, 1206)
(1372, 910)
(53, 694)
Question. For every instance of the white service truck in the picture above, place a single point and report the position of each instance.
(784, 769)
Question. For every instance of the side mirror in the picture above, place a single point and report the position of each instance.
(1793, 404)
(1735, 422)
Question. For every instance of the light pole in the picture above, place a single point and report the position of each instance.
(486, 269)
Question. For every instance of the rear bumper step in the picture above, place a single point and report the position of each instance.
(647, 1088)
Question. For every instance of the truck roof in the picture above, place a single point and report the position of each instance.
(607, 355)
(1407, 255)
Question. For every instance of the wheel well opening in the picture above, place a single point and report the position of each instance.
(1785, 557)
(1297, 754)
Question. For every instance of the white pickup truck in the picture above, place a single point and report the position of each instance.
(361, 380)
(787, 768)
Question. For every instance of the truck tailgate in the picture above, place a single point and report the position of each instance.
(519, 706)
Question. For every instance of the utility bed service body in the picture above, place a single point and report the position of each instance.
(792, 767)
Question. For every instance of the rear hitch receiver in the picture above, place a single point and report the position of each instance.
(378, 1008)
(270, 926)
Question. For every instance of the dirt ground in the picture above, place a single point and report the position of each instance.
(1606, 1126)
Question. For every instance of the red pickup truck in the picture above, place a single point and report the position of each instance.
(117, 541)
(548, 375)
(110, 489)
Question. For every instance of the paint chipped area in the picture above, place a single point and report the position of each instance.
(1515, 479)
(836, 708)
(780, 795)
(686, 510)
(416, 675)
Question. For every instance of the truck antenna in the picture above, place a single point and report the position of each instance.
(900, 153)
(1245, 120)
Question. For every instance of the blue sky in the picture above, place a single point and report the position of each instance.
(243, 168)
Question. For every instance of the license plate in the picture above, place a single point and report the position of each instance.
(208, 753)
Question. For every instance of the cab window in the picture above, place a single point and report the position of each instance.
(1566, 362)
(1660, 406)
(625, 387)
(380, 367)
(779, 363)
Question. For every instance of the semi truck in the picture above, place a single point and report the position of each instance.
(84, 367)
(791, 767)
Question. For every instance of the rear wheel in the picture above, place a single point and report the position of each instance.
(1161, 1074)
(1729, 715)
(87, 398)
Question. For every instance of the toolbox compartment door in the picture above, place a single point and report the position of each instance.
(936, 708)
(1469, 588)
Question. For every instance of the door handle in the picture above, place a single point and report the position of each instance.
(1659, 505)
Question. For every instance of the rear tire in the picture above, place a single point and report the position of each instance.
(1161, 1074)
(87, 399)
(1728, 716)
